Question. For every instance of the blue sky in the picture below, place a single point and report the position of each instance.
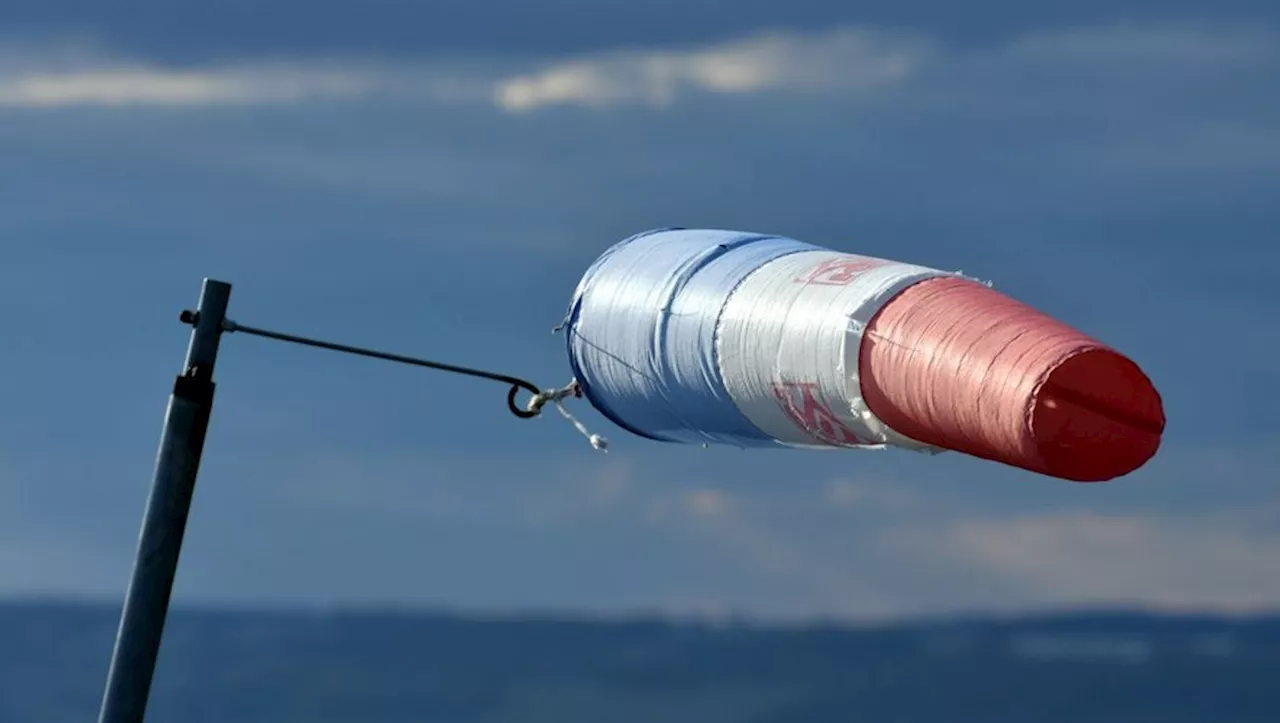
(434, 181)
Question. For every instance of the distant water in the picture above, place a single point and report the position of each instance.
(245, 667)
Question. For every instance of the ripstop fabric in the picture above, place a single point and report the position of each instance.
(707, 336)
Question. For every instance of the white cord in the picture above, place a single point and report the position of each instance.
(557, 396)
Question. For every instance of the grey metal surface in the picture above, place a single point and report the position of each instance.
(146, 606)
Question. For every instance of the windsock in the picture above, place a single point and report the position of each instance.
(734, 338)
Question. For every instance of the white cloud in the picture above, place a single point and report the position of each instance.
(1228, 562)
(79, 74)
(844, 60)
(851, 59)
(841, 60)
(126, 85)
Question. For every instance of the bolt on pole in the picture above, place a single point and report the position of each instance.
(146, 605)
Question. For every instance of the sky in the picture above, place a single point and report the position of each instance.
(433, 179)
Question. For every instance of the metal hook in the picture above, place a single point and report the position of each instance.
(511, 399)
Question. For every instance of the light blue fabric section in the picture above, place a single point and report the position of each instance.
(641, 332)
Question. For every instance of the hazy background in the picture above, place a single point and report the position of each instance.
(434, 178)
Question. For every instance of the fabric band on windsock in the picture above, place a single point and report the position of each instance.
(727, 337)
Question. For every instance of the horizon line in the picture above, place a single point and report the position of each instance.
(651, 614)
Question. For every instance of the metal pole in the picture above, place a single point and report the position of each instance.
(146, 605)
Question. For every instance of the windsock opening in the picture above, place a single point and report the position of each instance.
(954, 364)
(1096, 416)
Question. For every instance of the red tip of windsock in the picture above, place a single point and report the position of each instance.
(953, 364)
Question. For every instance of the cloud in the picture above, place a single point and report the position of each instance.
(847, 60)
(74, 74)
(1225, 562)
(137, 85)
(843, 60)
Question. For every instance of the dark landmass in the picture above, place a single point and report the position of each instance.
(371, 667)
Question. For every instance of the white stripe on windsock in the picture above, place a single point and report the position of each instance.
(789, 338)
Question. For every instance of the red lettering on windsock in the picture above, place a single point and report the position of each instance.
(799, 401)
(952, 363)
